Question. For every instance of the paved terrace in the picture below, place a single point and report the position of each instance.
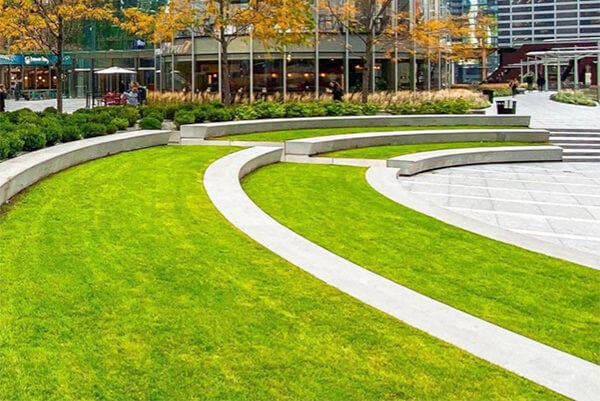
(548, 114)
(554, 202)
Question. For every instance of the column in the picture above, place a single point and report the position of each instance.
(575, 73)
(251, 71)
(193, 57)
(558, 77)
(317, 27)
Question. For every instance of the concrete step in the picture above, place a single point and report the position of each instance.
(581, 152)
(577, 130)
(574, 139)
(579, 146)
(581, 159)
(574, 134)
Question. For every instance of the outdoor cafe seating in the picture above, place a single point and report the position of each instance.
(113, 99)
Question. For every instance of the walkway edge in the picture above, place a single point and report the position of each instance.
(549, 367)
(384, 181)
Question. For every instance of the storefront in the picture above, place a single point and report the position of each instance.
(193, 64)
(84, 64)
(36, 75)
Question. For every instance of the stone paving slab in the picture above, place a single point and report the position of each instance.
(548, 114)
(554, 369)
(555, 202)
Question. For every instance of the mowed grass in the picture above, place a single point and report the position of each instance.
(546, 299)
(386, 152)
(119, 280)
(286, 135)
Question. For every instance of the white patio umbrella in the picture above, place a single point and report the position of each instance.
(118, 71)
(114, 71)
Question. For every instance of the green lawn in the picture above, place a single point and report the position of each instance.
(119, 280)
(549, 300)
(280, 136)
(385, 152)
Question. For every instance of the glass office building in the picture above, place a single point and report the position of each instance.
(533, 21)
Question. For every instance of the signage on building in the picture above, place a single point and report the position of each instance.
(180, 48)
(31, 60)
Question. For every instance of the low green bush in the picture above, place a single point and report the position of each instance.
(111, 129)
(32, 136)
(53, 130)
(573, 97)
(131, 114)
(10, 144)
(184, 117)
(71, 133)
(120, 123)
(150, 123)
(91, 129)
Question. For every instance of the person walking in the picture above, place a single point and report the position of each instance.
(132, 96)
(529, 80)
(2, 99)
(541, 82)
(336, 91)
(514, 86)
(18, 86)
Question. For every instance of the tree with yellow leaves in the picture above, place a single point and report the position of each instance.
(374, 23)
(276, 23)
(44, 25)
(474, 38)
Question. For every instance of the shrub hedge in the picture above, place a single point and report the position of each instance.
(27, 130)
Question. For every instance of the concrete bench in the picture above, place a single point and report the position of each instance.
(214, 130)
(331, 143)
(418, 162)
(19, 173)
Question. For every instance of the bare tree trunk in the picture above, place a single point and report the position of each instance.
(225, 75)
(483, 63)
(367, 68)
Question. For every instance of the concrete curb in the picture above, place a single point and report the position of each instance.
(19, 173)
(415, 163)
(332, 143)
(549, 367)
(213, 130)
(384, 181)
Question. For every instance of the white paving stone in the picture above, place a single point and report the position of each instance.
(553, 199)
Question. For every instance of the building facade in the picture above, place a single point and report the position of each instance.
(534, 21)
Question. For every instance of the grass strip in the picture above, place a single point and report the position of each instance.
(546, 299)
(286, 135)
(119, 280)
(386, 152)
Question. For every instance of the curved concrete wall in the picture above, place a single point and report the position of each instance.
(214, 130)
(19, 173)
(331, 143)
(423, 161)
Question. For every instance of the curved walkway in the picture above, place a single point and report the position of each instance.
(385, 182)
(554, 369)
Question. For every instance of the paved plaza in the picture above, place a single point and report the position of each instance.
(555, 202)
(548, 114)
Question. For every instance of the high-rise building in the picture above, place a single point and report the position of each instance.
(533, 21)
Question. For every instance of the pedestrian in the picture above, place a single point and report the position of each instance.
(514, 86)
(336, 91)
(132, 96)
(541, 82)
(142, 94)
(2, 99)
(17, 90)
(529, 80)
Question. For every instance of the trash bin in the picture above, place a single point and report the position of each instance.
(489, 93)
(506, 106)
